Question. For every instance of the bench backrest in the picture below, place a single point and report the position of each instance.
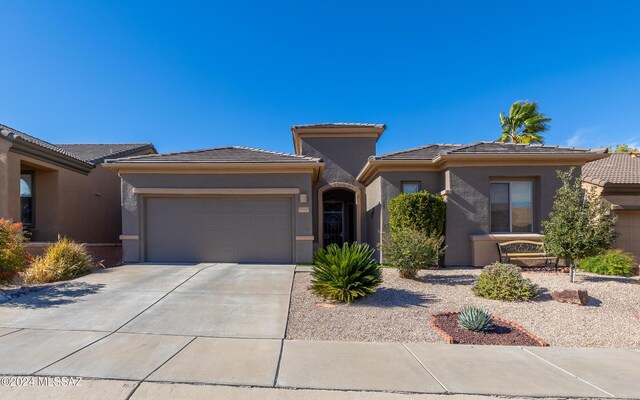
(521, 247)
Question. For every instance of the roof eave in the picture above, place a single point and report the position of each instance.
(562, 158)
(374, 165)
(31, 149)
(315, 167)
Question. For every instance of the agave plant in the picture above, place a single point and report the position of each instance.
(345, 274)
(475, 319)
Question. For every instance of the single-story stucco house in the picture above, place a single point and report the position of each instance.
(63, 189)
(617, 180)
(239, 204)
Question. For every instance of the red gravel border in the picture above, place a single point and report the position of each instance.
(485, 338)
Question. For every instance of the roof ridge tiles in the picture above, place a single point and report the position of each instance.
(277, 153)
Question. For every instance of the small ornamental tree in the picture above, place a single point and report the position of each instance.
(580, 224)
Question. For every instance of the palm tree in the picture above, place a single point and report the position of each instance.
(523, 124)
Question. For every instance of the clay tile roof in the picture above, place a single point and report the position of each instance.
(230, 154)
(13, 134)
(427, 152)
(97, 153)
(431, 151)
(619, 168)
(339, 124)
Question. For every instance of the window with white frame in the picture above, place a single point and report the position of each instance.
(511, 206)
(410, 187)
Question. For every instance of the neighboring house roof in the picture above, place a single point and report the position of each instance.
(78, 157)
(617, 169)
(14, 134)
(230, 154)
(432, 151)
(97, 153)
(437, 156)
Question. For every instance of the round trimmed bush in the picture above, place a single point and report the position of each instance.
(345, 274)
(504, 282)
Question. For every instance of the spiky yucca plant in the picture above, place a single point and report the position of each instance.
(345, 274)
(475, 319)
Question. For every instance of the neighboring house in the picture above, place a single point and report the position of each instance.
(237, 204)
(62, 189)
(617, 180)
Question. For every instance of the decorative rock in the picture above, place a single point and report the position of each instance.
(579, 297)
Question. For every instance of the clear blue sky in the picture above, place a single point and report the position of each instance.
(202, 74)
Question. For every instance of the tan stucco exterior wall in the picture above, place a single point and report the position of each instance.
(4, 177)
(84, 207)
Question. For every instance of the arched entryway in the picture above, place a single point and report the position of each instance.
(338, 214)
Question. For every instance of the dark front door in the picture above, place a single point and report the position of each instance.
(333, 222)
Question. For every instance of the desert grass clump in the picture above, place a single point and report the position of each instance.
(62, 261)
(345, 274)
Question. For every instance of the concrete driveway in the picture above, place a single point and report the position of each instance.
(126, 322)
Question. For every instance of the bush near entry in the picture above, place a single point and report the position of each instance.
(411, 250)
(422, 211)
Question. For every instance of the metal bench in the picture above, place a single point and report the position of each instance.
(526, 251)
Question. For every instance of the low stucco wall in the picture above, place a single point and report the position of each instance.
(110, 254)
(484, 249)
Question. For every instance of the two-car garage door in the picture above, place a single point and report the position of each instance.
(222, 229)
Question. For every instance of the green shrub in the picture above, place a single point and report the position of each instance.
(345, 274)
(411, 250)
(612, 262)
(504, 282)
(13, 254)
(421, 211)
(475, 319)
(64, 260)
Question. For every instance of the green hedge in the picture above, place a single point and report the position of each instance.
(421, 211)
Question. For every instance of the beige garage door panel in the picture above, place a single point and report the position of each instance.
(222, 229)
(628, 226)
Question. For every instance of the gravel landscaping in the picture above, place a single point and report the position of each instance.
(400, 309)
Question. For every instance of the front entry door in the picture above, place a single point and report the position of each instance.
(333, 222)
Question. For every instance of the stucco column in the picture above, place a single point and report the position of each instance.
(4, 178)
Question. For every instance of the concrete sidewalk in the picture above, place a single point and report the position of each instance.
(330, 366)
